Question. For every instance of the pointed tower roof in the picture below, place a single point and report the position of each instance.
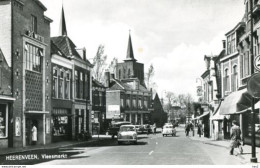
(130, 53)
(63, 29)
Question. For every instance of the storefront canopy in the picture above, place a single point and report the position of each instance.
(216, 115)
(236, 102)
(201, 116)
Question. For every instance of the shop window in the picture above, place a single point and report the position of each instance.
(33, 57)
(61, 122)
(3, 121)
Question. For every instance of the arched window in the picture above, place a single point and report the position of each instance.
(234, 79)
(226, 80)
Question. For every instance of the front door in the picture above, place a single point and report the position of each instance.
(28, 130)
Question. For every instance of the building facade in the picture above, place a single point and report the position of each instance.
(127, 97)
(25, 39)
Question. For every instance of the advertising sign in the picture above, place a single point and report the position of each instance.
(113, 111)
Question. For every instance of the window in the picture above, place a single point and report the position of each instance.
(122, 102)
(101, 99)
(129, 73)
(85, 87)
(81, 85)
(145, 102)
(134, 101)
(55, 83)
(128, 101)
(34, 23)
(234, 79)
(231, 43)
(3, 121)
(226, 80)
(140, 103)
(119, 74)
(33, 57)
(61, 85)
(77, 84)
(67, 86)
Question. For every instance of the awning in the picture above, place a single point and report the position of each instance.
(217, 116)
(203, 115)
(235, 102)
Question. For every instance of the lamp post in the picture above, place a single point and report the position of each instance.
(253, 158)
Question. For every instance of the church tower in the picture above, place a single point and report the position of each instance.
(130, 68)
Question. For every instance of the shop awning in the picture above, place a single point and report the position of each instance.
(217, 116)
(201, 116)
(235, 102)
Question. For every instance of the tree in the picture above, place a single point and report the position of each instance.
(112, 65)
(149, 76)
(99, 63)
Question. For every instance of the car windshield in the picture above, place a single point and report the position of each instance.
(127, 129)
(168, 126)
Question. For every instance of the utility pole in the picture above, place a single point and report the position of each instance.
(253, 158)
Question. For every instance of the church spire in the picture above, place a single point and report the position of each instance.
(130, 53)
(63, 29)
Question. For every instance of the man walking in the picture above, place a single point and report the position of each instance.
(187, 129)
(235, 138)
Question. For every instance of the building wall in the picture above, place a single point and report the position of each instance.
(21, 23)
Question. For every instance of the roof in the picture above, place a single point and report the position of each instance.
(130, 53)
(96, 83)
(41, 5)
(240, 24)
(126, 85)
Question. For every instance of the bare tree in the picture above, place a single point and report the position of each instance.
(149, 76)
(99, 63)
(112, 65)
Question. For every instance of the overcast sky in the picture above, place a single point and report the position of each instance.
(173, 35)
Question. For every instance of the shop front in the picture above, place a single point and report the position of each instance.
(62, 125)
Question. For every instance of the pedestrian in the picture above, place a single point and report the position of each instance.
(154, 128)
(199, 129)
(235, 137)
(187, 129)
(34, 135)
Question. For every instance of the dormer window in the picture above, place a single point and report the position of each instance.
(34, 23)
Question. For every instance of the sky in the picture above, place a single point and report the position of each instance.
(172, 35)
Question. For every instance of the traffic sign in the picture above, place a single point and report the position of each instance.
(257, 63)
(253, 85)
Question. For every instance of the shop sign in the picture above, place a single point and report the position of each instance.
(17, 126)
(60, 112)
(257, 63)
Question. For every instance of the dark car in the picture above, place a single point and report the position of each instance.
(114, 128)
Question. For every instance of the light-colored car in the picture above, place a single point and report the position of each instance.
(138, 129)
(168, 130)
(127, 133)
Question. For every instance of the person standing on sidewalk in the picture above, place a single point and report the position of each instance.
(34, 134)
(235, 138)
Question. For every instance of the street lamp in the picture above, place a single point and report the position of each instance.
(253, 158)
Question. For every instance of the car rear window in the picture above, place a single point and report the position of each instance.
(127, 129)
(168, 126)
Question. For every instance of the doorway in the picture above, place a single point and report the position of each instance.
(28, 128)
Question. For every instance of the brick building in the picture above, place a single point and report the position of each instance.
(127, 97)
(98, 107)
(71, 92)
(25, 72)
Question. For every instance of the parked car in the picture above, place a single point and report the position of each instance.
(139, 128)
(147, 128)
(127, 133)
(114, 128)
(168, 130)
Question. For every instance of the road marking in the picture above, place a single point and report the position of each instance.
(150, 152)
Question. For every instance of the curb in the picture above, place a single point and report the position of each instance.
(45, 147)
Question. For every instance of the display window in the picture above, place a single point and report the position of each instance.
(3, 121)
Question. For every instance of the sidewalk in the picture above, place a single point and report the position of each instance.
(8, 151)
(245, 157)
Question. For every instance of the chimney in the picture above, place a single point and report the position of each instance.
(107, 79)
(84, 54)
(224, 44)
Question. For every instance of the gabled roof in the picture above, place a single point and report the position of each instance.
(66, 46)
(125, 85)
(41, 5)
(96, 83)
